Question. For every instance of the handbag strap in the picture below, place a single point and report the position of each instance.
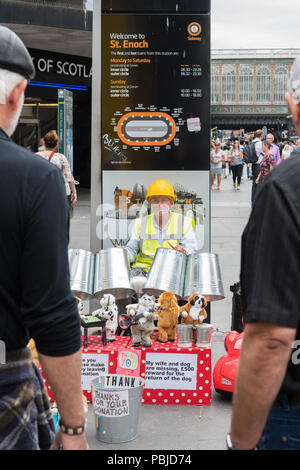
(51, 156)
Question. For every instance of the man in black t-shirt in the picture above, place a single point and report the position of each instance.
(266, 406)
(35, 297)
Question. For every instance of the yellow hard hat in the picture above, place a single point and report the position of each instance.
(160, 188)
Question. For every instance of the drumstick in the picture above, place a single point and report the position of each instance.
(171, 245)
(111, 240)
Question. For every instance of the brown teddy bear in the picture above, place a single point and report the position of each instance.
(194, 313)
(167, 317)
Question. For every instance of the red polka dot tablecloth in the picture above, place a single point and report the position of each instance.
(173, 375)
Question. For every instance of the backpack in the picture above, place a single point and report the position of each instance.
(249, 153)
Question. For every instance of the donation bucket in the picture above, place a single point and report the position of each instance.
(184, 335)
(112, 274)
(166, 273)
(117, 401)
(203, 275)
(81, 264)
(203, 335)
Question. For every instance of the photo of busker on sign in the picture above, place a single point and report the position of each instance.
(160, 211)
(162, 228)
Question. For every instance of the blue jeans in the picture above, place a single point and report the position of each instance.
(282, 430)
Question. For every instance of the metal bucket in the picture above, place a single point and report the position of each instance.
(184, 335)
(203, 335)
(81, 263)
(203, 275)
(117, 407)
(137, 280)
(112, 274)
(166, 273)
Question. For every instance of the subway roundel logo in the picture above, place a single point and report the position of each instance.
(194, 30)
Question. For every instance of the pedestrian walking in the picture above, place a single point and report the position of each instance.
(51, 142)
(286, 152)
(255, 167)
(274, 149)
(235, 158)
(266, 165)
(216, 159)
(266, 404)
(35, 296)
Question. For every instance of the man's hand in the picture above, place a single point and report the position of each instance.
(69, 442)
(180, 248)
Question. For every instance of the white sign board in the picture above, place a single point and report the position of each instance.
(112, 404)
(93, 365)
(171, 371)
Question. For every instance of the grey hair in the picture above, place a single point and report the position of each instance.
(8, 81)
(294, 81)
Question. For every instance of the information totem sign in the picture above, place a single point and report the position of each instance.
(65, 124)
(155, 110)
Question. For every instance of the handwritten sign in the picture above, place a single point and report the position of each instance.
(112, 404)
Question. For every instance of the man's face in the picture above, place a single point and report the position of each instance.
(160, 205)
(270, 139)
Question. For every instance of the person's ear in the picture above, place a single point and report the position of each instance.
(15, 96)
(294, 108)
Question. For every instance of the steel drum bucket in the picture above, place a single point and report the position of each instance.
(166, 273)
(203, 275)
(137, 280)
(203, 335)
(112, 274)
(81, 264)
(184, 335)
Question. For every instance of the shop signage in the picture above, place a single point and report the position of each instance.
(59, 67)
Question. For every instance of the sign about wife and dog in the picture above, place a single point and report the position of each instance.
(171, 371)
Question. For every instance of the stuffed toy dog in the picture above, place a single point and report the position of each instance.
(194, 313)
(143, 315)
(167, 317)
(109, 313)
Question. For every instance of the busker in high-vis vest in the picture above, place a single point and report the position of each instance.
(160, 229)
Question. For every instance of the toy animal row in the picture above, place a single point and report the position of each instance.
(143, 314)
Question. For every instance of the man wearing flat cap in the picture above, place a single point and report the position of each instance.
(35, 297)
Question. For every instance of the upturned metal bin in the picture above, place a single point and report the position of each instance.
(81, 264)
(117, 401)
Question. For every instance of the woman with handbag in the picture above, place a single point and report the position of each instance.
(51, 141)
(236, 162)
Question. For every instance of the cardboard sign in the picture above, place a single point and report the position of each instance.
(93, 365)
(129, 362)
(112, 404)
(171, 371)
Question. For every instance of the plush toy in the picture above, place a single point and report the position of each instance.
(167, 317)
(143, 315)
(34, 353)
(194, 313)
(109, 313)
(80, 306)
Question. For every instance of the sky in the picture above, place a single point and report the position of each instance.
(253, 24)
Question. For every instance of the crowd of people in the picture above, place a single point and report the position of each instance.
(228, 157)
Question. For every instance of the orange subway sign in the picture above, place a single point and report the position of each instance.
(146, 128)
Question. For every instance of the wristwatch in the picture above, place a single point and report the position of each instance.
(71, 431)
(229, 444)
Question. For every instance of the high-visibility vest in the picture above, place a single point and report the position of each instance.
(148, 237)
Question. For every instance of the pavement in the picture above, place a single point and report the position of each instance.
(173, 427)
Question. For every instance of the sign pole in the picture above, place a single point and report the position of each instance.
(96, 183)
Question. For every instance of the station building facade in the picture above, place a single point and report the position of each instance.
(248, 89)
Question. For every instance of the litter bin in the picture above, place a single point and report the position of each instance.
(117, 401)
(237, 312)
